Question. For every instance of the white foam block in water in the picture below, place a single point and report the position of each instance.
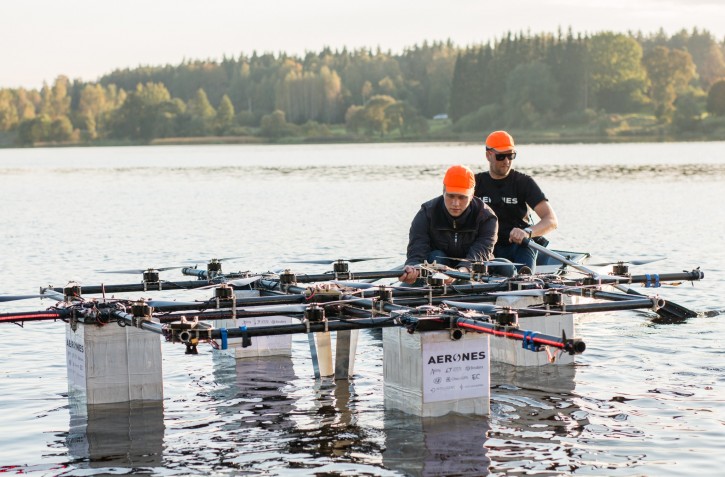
(279, 345)
(504, 350)
(276, 345)
(110, 364)
(428, 374)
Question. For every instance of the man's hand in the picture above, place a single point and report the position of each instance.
(410, 274)
(518, 235)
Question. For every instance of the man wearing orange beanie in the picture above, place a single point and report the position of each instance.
(455, 224)
(510, 194)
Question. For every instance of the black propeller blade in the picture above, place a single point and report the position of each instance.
(136, 271)
(642, 261)
(161, 304)
(485, 262)
(19, 297)
(214, 259)
(330, 262)
(485, 308)
(237, 282)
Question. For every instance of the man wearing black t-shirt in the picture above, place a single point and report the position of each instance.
(511, 194)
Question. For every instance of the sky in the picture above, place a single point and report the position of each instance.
(84, 39)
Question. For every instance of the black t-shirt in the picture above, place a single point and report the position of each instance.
(508, 197)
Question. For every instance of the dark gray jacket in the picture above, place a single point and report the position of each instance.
(472, 235)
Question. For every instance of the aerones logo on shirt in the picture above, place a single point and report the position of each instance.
(505, 200)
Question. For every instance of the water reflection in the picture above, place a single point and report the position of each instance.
(655, 172)
(427, 446)
(283, 420)
(250, 393)
(327, 425)
(556, 379)
(127, 435)
(535, 420)
(373, 171)
(577, 172)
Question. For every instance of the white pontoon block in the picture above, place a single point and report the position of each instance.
(428, 374)
(343, 366)
(345, 350)
(277, 345)
(512, 352)
(112, 364)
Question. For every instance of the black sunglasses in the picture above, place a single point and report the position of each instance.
(500, 156)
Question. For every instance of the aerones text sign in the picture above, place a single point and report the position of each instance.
(456, 369)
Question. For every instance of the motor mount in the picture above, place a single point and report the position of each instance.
(287, 278)
(384, 293)
(620, 269)
(507, 317)
(141, 309)
(213, 268)
(553, 298)
(151, 276)
(72, 291)
(341, 266)
(315, 313)
(224, 292)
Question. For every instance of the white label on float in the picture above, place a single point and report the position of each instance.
(455, 370)
(275, 341)
(76, 356)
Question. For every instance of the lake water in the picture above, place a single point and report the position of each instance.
(646, 398)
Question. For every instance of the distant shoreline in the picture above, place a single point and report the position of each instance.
(530, 137)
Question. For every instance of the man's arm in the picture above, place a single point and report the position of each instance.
(547, 223)
(418, 239)
(418, 246)
(482, 248)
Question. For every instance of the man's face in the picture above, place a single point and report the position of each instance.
(456, 204)
(500, 168)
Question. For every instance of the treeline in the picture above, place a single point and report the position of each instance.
(518, 81)
(532, 81)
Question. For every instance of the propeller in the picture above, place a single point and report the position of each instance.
(482, 307)
(20, 297)
(238, 282)
(489, 309)
(625, 262)
(361, 285)
(485, 262)
(370, 286)
(161, 304)
(46, 293)
(529, 292)
(276, 308)
(217, 259)
(330, 262)
(136, 271)
(296, 308)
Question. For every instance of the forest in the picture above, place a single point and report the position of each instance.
(550, 86)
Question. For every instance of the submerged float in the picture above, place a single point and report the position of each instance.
(438, 339)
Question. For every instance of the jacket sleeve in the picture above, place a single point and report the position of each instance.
(419, 239)
(482, 248)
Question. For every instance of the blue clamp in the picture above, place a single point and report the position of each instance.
(246, 340)
(648, 283)
(528, 341)
(223, 332)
